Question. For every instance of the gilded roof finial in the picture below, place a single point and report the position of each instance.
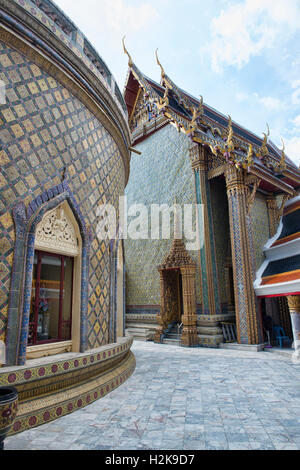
(229, 142)
(266, 135)
(161, 67)
(249, 159)
(200, 108)
(263, 151)
(282, 163)
(130, 63)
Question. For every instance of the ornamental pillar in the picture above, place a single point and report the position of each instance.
(240, 200)
(160, 317)
(273, 215)
(207, 256)
(189, 319)
(294, 306)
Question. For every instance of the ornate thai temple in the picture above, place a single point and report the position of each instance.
(191, 152)
(64, 152)
(68, 299)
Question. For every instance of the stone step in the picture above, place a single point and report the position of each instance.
(173, 335)
(171, 341)
(242, 347)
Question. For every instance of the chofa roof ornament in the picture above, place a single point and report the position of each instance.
(130, 62)
(159, 64)
(263, 151)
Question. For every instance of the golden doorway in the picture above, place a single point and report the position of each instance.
(178, 295)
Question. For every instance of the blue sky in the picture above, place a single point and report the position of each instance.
(243, 56)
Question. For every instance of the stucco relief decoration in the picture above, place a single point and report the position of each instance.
(56, 232)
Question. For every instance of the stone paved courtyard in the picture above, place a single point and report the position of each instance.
(186, 399)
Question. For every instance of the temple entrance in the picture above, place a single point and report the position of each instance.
(178, 295)
(173, 296)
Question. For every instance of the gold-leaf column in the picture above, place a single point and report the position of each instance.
(161, 316)
(189, 333)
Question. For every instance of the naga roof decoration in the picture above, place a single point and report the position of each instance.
(207, 127)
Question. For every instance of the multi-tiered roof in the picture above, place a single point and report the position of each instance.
(151, 105)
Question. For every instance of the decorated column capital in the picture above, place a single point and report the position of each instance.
(198, 157)
(294, 303)
(275, 211)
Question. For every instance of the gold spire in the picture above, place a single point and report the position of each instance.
(161, 67)
(263, 151)
(249, 159)
(229, 142)
(266, 135)
(282, 163)
(200, 108)
(130, 62)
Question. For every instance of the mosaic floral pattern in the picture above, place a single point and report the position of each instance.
(94, 391)
(23, 375)
(7, 414)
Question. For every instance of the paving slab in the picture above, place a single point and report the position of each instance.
(186, 399)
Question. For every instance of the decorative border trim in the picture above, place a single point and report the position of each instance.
(73, 399)
(54, 366)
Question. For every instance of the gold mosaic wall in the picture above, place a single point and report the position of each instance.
(44, 128)
(221, 230)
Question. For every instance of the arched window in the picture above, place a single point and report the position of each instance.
(51, 234)
(54, 320)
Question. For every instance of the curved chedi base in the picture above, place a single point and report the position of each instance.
(55, 386)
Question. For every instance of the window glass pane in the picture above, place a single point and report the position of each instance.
(51, 299)
(48, 317)
(32, 305)
(67, 299)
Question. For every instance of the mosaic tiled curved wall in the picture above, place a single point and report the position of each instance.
(44, 128)
(162, 172)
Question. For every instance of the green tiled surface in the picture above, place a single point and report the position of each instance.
(260, 224)
(162, 172)
(221, 230)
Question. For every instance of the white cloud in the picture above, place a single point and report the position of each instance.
(296, 93)
(273, 104)
(292, 148)
(296, 121)
(247, 29)
(240, 96)
(120, 15)
(269, 102)
(112, 16)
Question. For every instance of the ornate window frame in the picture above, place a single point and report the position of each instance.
(117, 292)
(26, 221)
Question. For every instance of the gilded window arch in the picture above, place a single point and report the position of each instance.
(26, 221)
(57, 234)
